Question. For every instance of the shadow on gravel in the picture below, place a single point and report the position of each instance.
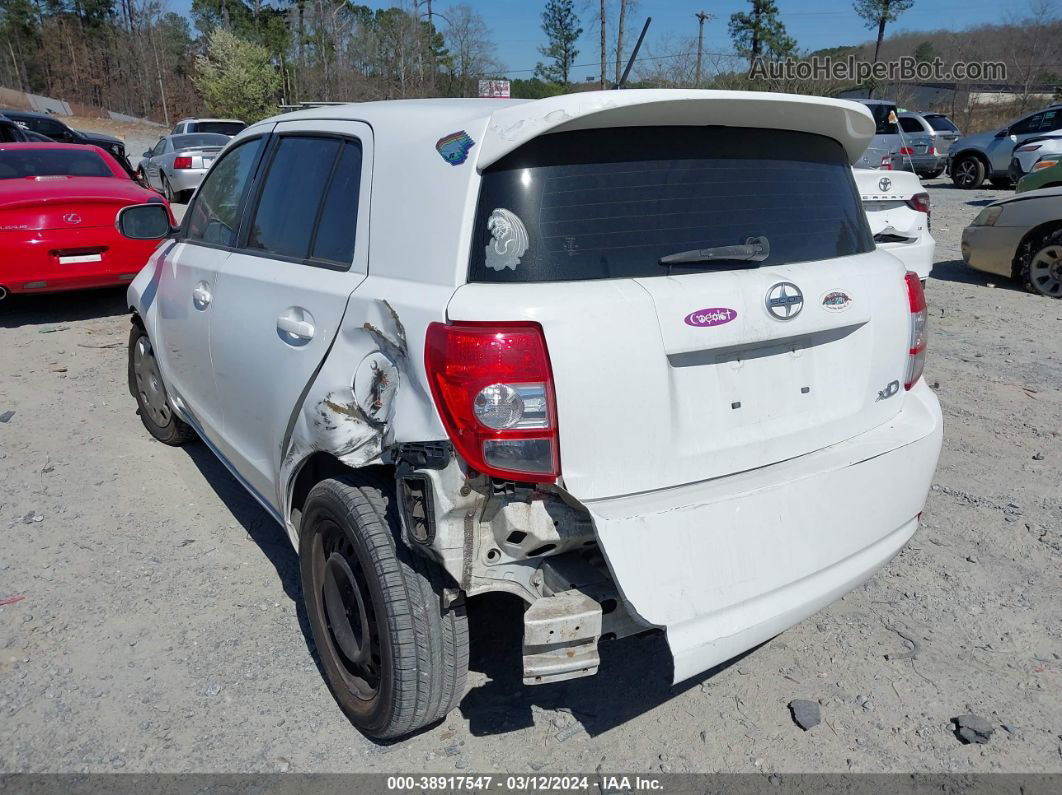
(981, 202)
(956, 270)
(47, 308)
(634, 677)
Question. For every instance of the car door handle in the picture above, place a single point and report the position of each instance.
(300, 329)
(201, 296)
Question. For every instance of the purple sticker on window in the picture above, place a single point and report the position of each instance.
(715, 316)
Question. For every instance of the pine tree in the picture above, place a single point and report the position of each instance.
(760, 32)
(561, 26)
(876, 13)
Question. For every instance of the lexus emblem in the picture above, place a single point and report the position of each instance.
(72, 218)
(784, 301)
(884, 184)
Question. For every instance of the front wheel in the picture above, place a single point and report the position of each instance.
(395, 657)
(968, 173)
(1041, 266)
(145, 382)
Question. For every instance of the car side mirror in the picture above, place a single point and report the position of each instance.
(144, 221)
(147, 153)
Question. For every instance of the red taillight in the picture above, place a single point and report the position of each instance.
(493, 387)
(920, 202)
(932, 150)
(886, 163)
(916, 345)
(906, 150)
(182, 162)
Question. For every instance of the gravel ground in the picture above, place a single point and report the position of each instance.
(161, 628)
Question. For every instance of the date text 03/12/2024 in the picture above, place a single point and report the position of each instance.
(525, 783)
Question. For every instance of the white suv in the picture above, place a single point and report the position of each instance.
(598, 351)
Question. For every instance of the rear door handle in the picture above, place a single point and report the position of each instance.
(201, 296)
(297, 323)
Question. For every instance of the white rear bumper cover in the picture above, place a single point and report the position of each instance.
(916, 256)
(728, 563)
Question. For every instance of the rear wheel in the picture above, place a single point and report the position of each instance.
(167, 191)
(145, 382)
(1041, 267)
(395, 658)
(968, 172)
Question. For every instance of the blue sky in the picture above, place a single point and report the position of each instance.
(515, 24)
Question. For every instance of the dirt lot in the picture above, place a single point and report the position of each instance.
(161, 628)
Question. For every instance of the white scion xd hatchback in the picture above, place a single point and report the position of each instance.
(599, 351)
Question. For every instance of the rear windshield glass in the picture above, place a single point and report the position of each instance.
(941, 123)
(52, 162)
(608, 204)
(197, 140)
(229, 128)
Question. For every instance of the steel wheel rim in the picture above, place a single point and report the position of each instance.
(149, 383)
(1045, 271)
(346, 611)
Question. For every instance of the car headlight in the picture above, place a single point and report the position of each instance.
(1040, 165)
(988, 216)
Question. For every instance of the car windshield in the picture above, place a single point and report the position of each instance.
(228, 128)
(941, 123)
(15, 164)
(199, 139)
(618, 203)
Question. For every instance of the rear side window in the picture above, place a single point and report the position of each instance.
(339, 215)
(214, 216)
(941, 123)
(607, 204)
(52, 163)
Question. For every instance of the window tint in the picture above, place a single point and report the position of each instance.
(910, 125)
(339, 214)
(1052, 121)
(228, 128)
(51, 163)
(941, 123)
(198, 139)
(214, 215)
(601, 204)
(291, 195)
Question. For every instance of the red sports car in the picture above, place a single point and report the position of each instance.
(58, 204)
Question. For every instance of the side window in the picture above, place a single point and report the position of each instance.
(910, 125)
(159, 148)
(292, 193)
(1052, 121)
(334, 241)
(1028, 125)
(214, 215)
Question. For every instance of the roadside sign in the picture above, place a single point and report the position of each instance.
(494, 89)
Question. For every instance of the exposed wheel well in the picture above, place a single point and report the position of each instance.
(980, 156)
(1034, 234)
(318, 467)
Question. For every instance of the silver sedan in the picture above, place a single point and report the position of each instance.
(177, 163)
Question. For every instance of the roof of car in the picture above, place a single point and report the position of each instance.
(42, 145)
(867, 101)
(33, 113)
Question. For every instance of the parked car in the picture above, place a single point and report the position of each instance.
(177, 163)
(883, 149)
(1020, 237)
(942, 133)
(229, 127)
(972, 158)
(1046, 173)
(58, 204)
(55, 130)
(555, 349)
(10, 132)
(1032, 151)
(897, 208)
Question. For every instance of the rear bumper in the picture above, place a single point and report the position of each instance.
(916, 256)
(728, 563)
(182, 179)
(31, 263)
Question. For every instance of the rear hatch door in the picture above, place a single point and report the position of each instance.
(672, 373)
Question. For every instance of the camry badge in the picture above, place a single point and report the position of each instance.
(784, 301)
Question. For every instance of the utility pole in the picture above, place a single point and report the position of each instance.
(602, 81)
(702, 17)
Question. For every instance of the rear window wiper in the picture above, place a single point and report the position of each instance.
(755, 249)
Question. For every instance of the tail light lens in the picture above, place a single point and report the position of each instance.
(182, 162)
(920, 202)
(932, 151)
(916, 347)
(906, 150)
(493, 387)
(886, 163)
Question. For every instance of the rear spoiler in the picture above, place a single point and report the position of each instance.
(849, 123)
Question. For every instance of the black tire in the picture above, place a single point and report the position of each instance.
(164, 425)
(1003, 183)
(1035, 272)
(968, 172)
(403, 662)
(167, 191)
